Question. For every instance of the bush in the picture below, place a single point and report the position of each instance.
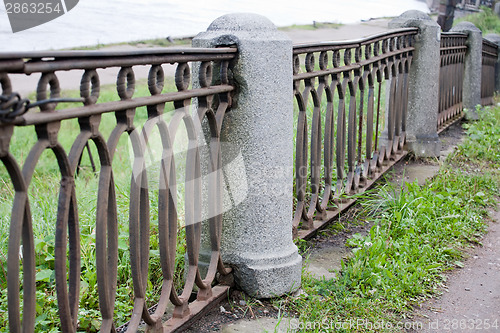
(486, 20)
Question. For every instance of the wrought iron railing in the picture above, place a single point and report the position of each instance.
(203, 98)
(339, 89)
(351, 116)
(451, 78)
(490, 56)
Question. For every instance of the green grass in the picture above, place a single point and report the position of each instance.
(162, 42)
(486, 20)
(420, 232)
(482, 145)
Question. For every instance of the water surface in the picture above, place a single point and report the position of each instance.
(94, 22)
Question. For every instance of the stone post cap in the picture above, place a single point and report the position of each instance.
(231, 27)
(465, 27)
(495, 38)
(242, 22)
(412, 18)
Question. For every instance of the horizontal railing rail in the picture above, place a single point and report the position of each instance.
(489, 61)
(190, 108)
(453, 50)
(128, 207)
(339, 92)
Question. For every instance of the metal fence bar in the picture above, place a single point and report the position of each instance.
(451, 78)
(338, 89)
(490, 56)
(351, 121)
(195, 100)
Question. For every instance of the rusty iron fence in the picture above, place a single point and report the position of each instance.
(490, 56)
(451, 78)
(350, 121)
(339, 89)
(203, 97)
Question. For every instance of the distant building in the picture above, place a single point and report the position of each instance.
(474, 4)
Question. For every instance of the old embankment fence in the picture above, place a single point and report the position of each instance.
(213, 99)
(359, 104)
(352, 73)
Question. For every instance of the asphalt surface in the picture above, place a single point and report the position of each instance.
(70, 80)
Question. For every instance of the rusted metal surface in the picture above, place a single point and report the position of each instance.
(206, 103)
(490, 56)
(451, 78)
(339, 88)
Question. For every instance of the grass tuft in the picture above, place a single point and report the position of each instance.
(486, 20)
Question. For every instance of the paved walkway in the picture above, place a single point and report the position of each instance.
(70, 80)
(471, 299)
(344, 32)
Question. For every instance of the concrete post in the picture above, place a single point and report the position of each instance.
(421, 125)
(473, 68)
(494, 38)
(446, 14)
(497, 8)
(257, 234)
